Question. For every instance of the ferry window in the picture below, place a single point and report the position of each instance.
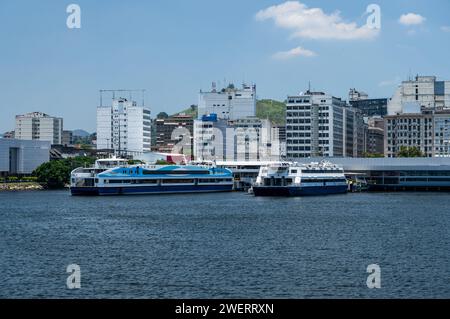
(294, 171)
(178, 181)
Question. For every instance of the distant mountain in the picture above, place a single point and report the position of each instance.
(80, 133)
(273, 110)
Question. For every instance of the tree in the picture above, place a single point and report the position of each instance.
(56, 174)
(162, 115)
(413, 151)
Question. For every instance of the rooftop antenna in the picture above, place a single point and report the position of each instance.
(309, 87)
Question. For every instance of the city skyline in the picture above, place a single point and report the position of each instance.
(49, 68)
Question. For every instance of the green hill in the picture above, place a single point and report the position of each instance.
(192, 110)
(273, 110)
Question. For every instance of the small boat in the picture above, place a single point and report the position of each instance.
(149, 179)
(292, 179)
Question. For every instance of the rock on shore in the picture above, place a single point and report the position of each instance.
(20, 187)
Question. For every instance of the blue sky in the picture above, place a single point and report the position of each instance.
(175, 48)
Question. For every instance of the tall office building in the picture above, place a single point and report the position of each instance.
(318, 124)
(124, 127)
(229, 103)
(173, 130)
(423, 92)
(368, 107)
(39, 126)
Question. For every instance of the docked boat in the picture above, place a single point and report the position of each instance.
(292, 179)
(149, 179)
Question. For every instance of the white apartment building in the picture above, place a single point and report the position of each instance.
(124, 127)
(318, 124)
(39, 126)
(422, 91)
(246, 139)
(257, 139)
(211, 137)
(229, 103)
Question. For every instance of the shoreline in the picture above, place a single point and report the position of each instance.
(26, 186)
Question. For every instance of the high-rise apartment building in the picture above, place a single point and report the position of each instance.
(39, 126)
(229, 103)
(124, 127)
(246, 139)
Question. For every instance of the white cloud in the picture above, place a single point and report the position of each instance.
(445, 28)
(411, 19)
(313, 23)
(299, 51)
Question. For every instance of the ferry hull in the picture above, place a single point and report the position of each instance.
(299, 191)
(146, 190)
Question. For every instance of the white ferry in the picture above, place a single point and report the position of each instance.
(116, 177)
(292, 179)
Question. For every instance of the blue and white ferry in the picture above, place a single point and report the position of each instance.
(292, 179)
(149, 179)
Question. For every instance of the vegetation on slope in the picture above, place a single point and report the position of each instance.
(273, 110)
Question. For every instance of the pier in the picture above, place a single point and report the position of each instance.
(381, 174)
